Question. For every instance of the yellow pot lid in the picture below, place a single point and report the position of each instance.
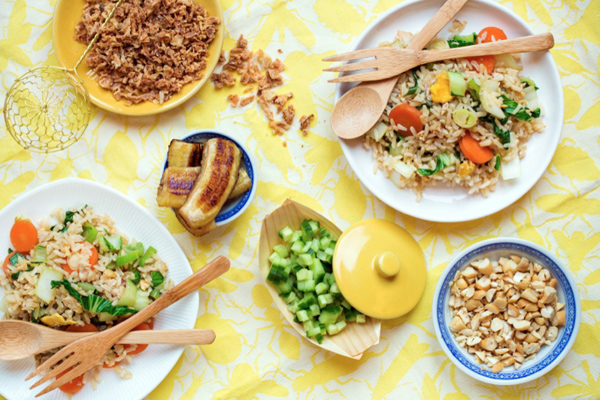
(379, 268)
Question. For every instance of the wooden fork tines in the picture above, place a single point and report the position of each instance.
(83, 354)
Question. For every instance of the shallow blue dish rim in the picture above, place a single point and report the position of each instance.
(532, 369)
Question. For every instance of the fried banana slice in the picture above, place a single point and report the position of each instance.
(242, 185)
(220, 168)
(183, 154)
(175, 185)
(211, 226)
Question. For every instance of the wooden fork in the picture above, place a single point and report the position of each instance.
(390, 62)
(83, 354)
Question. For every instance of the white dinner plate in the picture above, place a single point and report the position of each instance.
(446, 204)
(148, 368)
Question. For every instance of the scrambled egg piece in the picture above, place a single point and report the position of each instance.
(440, 91)
(55, 320)
(466, 168)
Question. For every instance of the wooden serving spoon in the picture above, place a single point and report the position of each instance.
(360, 108)
(20, 339)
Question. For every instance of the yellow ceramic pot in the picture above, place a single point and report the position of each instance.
(379, 268)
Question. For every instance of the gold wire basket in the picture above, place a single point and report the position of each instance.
(47, 109)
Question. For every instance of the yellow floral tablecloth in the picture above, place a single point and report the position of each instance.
(256, 353)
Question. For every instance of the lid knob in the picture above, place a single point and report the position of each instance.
(387, 264)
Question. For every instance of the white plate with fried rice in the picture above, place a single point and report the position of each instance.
(115, 216)
(460, 189)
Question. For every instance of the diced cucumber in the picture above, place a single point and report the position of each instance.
(301, 273)
(297, 246)
(463, 40)
(281, 250)
(148, 254)
(127, 258)
(306, 286)
(307, 228)
(361, 318)
(458, 86)
(332, 329)
(39, 255)
(286, 233)
(324, 242)
(110, 243)
(308, 300)
(302, 315)
(291, 296)
(313, 332)
(142, 300)
(330, 314)
(293, 307)
(105, 317)
(305, 259)
(315, 310)
(89, 232)
(87, 287)
(473, 88)
(285, 287)
(129, 295)
(321, 288)
(43, 287)
(276, 274)
(304, 275)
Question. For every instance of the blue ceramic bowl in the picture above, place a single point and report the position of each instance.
(549, 356)
(232, 209)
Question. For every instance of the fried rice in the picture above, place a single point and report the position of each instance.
(402, 155)
(68, 253)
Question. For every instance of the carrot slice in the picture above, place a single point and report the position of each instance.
(490, 34)
(73, 386)
(6, 265)
(144, 326)
(23, 236)
(94, 256)
(474, 151)
(407, 116)
(82, 328)
(489, 62)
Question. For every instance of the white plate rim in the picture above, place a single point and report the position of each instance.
(411, 207)
(191, 302)
(568, 277)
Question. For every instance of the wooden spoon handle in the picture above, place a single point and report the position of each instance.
(165, 336)
(170, 336)
(435, 24)
(525, 44)
(211, 271)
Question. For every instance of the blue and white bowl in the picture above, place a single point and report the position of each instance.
(549, 356)
(232, 209)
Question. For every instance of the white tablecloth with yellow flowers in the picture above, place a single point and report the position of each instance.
(256, 353)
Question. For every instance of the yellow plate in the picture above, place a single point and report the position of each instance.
(66, 17)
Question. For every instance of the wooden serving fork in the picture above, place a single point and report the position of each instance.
(390, 62)
(83, 354)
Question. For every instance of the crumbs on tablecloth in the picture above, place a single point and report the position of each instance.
(258, 68)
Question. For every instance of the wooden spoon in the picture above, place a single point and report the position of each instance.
(360, 108)
(20, 339)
